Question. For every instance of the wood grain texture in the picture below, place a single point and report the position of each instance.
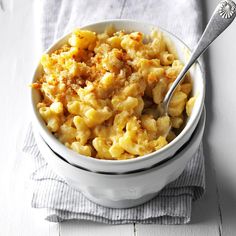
(215, 214)
(74, 228)
(16, 61)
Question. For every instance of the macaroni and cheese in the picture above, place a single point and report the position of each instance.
(100, 93)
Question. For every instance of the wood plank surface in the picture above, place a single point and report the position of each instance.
(17, 59)
(74, 228)
(221, 138)
(215, 214)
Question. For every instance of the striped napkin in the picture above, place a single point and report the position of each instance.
(50, 192)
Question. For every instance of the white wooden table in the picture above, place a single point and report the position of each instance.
(215, 214)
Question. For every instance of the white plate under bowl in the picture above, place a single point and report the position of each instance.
(122, 166)
(123, 190)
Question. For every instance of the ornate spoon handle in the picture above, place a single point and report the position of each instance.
(222, 17)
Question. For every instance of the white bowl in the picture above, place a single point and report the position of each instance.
(122, 166)
(123, 190)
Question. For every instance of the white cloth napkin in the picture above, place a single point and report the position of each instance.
(50, 192)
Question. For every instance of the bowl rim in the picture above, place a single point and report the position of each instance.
(126, 161)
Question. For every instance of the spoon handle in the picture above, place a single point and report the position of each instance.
(222, 17)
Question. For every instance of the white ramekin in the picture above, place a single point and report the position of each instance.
(122, 166)
(123, 190)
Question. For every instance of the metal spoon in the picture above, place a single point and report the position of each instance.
(222, 17)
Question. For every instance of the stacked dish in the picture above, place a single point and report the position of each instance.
(124, 183)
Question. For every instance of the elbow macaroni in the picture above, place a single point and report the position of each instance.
(100, 93)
